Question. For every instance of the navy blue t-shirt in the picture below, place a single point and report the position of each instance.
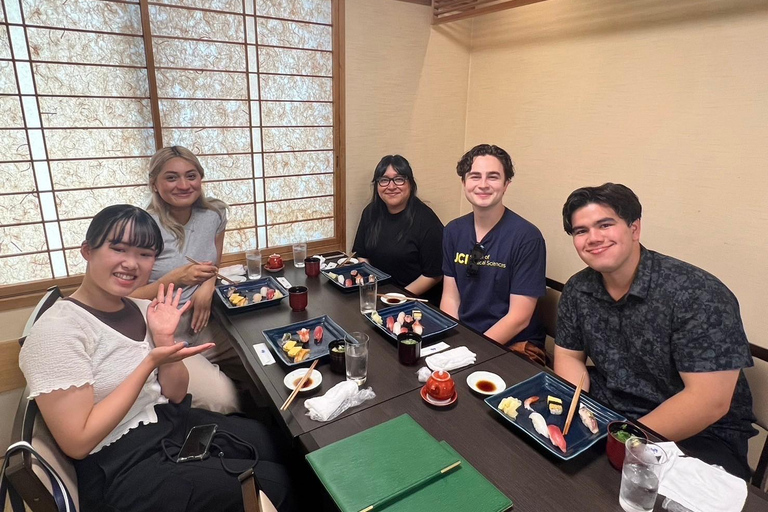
(515, 263)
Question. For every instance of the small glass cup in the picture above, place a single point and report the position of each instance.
(641, 474)
(368, 296)
(297, 298)
(299, 254)
(253, 259)
(356, 358)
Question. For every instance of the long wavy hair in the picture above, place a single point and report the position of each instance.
(159, 207)
(379, 207)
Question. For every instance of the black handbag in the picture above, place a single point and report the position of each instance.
(61, 495)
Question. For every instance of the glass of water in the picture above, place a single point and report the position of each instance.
(356, 357)
(641, 474)
(253, 259)
(299, 254)
(368, 296)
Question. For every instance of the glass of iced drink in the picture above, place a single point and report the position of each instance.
(640, 474)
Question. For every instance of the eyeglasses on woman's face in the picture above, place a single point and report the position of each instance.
(397, 180)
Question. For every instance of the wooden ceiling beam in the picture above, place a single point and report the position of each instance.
(472, 8)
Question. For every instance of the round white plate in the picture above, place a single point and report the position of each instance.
(399, 299)
(475, 377)
(237, 279)
(292, 379)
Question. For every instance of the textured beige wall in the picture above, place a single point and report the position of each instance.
(669, 98)
(406, 89)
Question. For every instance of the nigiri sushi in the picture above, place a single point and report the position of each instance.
(530, 400)
(371, 278)
(396, 328)
(416, 313)
(588, 419)
(556, 437)
(539, 423)
(264, 290)
(256, 298)
(359, 280)
(417, 327)
(318, 335)
(304, 335)
(555, 405)
(401, 318)
(390, 323)
(348, 283)
(353, 273)
(270, 294)
(407, 320)
(340, 279)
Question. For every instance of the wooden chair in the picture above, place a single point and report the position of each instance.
(23, 471)
(547, 310)
(758, 384)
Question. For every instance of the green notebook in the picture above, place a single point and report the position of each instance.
(395, 466)
(369, 469)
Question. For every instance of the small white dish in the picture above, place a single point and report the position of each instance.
(486, 383)
(352, 261)
(393, 299)
(293, 378)
(237, 279)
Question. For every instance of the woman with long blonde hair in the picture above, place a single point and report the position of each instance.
(192, 226)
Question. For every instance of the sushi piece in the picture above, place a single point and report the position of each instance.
(294, 352)
(391, 323)
(256, 298)
(333, 275)
(376, 317)
(348, 283)
(304, 335)
(277, 295)
(318, 335)
(263, 291)
(230, 291)
(588, 419)
(555, 405)
(403, 329)
(529, 401)
(270, 294)
(416, 314)
(354, 273)
(556, 437)
(302, 355)
(408, 320)
(286, 336)
(359, 280)
(417, 327)
(539, 423)
(371, 278)
(289, 345)
(509, 406)
(340, 279)
(396, 328)
(401, 318)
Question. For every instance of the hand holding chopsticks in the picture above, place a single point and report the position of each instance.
(298, 387)
(572, 408)
(223, 278)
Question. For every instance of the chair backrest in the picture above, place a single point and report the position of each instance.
(25, 473)
(547, 310)
(757, 376)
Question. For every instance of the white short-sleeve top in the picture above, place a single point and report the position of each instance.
(69, 347)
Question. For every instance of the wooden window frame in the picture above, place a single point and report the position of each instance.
(22, 295)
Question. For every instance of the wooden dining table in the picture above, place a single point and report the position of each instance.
(531, 477)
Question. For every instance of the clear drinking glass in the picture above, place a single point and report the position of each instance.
(641, 474)
(299, 254)
(356, 357)
(368, 296)
(253, 259)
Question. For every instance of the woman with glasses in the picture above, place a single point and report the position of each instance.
(398, 233)
(193, 227)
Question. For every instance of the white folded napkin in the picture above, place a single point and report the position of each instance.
(338, 399)
(458, 357)
(232, 270)
(698, 486)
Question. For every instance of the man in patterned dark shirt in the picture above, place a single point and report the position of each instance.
(666, 337)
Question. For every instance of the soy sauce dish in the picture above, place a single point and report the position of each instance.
(292, 379)
(486, 383)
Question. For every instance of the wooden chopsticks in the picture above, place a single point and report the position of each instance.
(400, 298)
(575, 400)
(223, 278)
(298, 387)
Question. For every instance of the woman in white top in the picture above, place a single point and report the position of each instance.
(107, 375)
(193, 226)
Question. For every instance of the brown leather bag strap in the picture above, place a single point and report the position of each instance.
(250, 491)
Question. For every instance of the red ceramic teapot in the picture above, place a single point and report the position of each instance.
(275, 261)
(440, 385)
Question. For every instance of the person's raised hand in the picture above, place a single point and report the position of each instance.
(163, 315)
(193, 273)
(176, 352)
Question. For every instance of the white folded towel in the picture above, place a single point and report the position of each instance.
(338, 399)
(449, 360)
(698, 486)
(232, 270)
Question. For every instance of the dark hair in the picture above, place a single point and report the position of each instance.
(113, 220)
(379, 207)
(465, 164)
(618, 197)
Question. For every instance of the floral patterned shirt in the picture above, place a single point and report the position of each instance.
(675, 318)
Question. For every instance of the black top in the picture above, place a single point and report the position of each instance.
(128, 321)
(675, 318)
(403, 253)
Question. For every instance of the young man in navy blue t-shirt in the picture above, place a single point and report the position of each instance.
(494, 261)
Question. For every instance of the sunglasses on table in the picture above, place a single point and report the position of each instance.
(477, 255)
